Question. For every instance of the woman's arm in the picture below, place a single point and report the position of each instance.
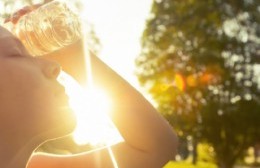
(149, 139)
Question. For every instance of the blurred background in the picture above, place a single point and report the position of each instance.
(196, 61)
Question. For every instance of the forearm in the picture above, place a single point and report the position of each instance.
(148, 137)
(72, 60)
(136, 119)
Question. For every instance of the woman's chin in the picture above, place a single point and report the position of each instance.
(66, 121)
(62, 130)
(70, 119)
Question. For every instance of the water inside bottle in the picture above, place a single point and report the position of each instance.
(48, 28)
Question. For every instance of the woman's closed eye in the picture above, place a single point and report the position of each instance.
(18, 53)
(17, 49)
(14, 51)
(21, 56)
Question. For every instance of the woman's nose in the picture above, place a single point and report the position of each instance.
(51, 69)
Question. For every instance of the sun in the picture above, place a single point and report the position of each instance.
(94, 125)
(91, 106)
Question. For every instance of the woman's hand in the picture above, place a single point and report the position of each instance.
(149, 141)
(71, 58)
(18, 14)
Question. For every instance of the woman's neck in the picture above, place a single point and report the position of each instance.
(15, 153)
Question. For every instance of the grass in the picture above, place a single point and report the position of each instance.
(183, 164)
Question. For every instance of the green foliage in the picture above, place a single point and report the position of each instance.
(206, 153)
(189, 165)
(197, 62)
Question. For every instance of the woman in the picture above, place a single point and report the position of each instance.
(34, 109)
(33, 104)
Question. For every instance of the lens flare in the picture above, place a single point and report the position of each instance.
(91, 106)
(179, 82)
(113, 159)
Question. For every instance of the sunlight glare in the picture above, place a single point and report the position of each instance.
(90, 104)
(107, 18)
(94, 125)
(91, 107)
(119, 26)
(113, 159)
(99, 127)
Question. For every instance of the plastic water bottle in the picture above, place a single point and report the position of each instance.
(48, 28)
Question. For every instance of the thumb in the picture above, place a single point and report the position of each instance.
(18, 14)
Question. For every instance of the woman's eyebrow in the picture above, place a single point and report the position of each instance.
(8, 39)
(8, 43)
(20, 46)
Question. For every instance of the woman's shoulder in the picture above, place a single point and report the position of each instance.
(90, 159)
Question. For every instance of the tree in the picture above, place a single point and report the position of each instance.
(197, 62)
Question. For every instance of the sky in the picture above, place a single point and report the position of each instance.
(119, 25)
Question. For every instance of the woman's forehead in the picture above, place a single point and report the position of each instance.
(8, 41)
(4, 32)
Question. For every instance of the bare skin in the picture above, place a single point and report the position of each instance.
(30, 97)
(149, 140)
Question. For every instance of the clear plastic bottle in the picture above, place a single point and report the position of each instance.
(48, 28)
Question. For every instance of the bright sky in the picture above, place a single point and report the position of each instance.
(119, 25)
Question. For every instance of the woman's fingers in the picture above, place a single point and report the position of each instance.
(17, 15)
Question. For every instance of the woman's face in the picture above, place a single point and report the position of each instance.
(31, 99)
